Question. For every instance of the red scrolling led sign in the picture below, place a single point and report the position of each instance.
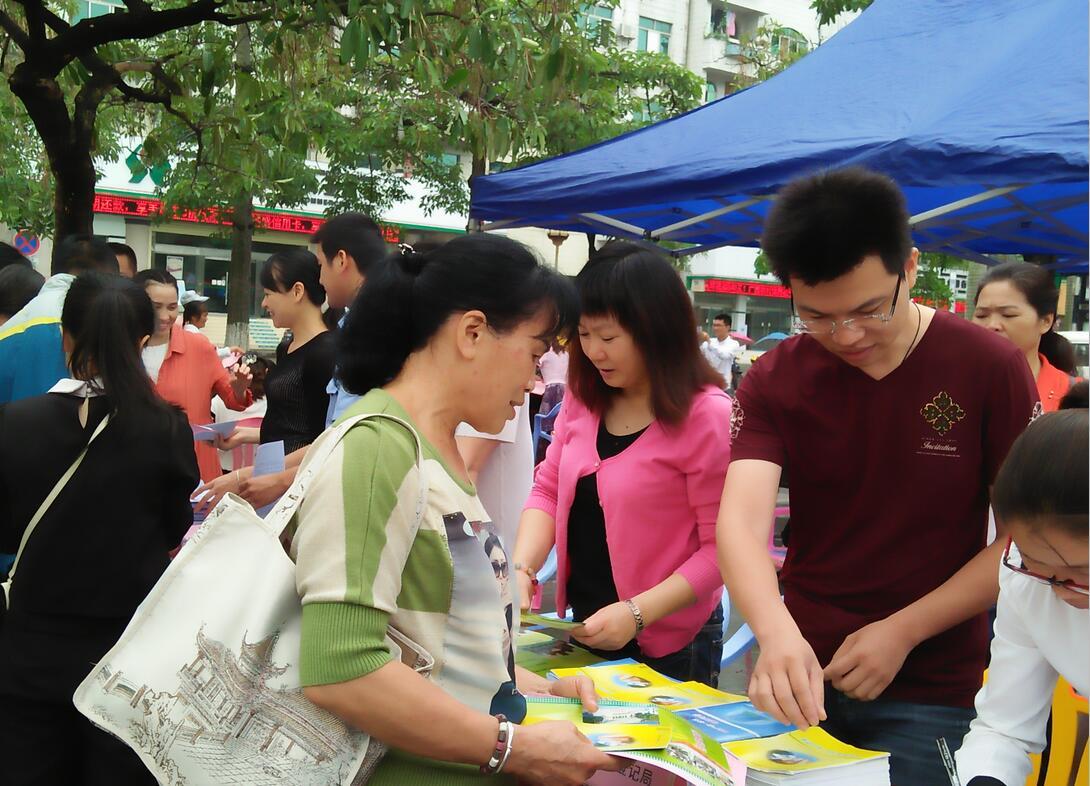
(749, 288)
(147, 207)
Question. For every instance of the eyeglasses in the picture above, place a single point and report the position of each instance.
(1052, 581)
(829, 326)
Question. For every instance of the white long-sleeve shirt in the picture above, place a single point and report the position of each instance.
(721, 354)
(1037, 637)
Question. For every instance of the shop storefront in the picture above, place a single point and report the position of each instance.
(196, 248)
(756, 308)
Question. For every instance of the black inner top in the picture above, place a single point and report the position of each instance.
(591, 586)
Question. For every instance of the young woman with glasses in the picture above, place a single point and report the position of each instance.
(1042, 629)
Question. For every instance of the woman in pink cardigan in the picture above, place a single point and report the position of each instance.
(630, 486)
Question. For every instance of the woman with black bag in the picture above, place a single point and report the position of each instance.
(88, 556)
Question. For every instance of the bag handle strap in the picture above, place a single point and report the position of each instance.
(280, 516)
(57, 489)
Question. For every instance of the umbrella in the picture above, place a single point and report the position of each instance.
(741, 338)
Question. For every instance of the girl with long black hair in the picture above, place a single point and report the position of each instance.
(100, 546)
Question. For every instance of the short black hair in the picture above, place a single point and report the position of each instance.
(18, 286)
(822, 226)
(357, 235)
(1043, 481)
(78, 253)
(125, 251)
(723, 317)
(1077, 396)
(409, 296)
(9, 255)
(193, 310)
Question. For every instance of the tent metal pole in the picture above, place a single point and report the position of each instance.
(663, 232)
(615, 223)
(921, 218)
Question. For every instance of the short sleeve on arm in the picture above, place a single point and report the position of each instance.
(753, 433)
(354, 533)
(1012, 404)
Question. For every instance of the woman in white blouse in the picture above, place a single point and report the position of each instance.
(1042, 629)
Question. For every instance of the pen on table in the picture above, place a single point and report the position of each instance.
(948, 762)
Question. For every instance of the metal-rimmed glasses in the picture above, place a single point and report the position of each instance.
(829, 326)
(1052, 581)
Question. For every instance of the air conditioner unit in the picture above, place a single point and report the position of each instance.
(627, 31)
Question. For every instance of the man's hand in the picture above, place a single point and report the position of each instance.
(265, 489)
(787, 682)
(609, 628)
(869, 659)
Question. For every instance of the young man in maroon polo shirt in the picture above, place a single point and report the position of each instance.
(893, 419)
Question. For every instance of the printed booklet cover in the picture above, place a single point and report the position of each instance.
(615, 726)
(736, 720)
(641, 684)
(540, 653)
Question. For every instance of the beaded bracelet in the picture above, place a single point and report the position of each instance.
(510, 745)
(636, 614)
(503, 749)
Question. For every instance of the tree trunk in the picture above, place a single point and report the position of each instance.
(67, 146)
(480, 164)
(240, 286)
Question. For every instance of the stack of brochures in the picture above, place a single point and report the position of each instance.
(809, 758)
(720, 739)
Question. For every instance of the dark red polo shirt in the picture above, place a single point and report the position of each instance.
(889, 484)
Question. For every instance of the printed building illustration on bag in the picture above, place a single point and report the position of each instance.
(225, 715)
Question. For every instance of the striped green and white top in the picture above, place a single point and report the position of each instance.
(362, 564)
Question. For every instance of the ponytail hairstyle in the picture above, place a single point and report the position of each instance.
(1036, 285)
(1043, 481)
(107, 317)
(285, 269)
(409, 296)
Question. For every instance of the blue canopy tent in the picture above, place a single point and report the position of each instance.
(977, 109)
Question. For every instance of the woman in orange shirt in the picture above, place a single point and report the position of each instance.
(1018, 300)
(185, 368)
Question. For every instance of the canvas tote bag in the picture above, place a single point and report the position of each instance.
(204, 682)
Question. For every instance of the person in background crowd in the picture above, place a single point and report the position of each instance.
(9, 255)
(296, 388)
(126, 259)
(434, 339)
(99, 548)
(195, 317)
(1042, 629)
(630, 486)
(1018, 301)
(721, 349)
(31, 355)
(881, 407)
(347, 247)
(195, 314)
(19, 284)
(185, 369)
(554, 373)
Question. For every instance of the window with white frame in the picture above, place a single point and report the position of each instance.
(592, 17)
(87, 9)
(654, 36)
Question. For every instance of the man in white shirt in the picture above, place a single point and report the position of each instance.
(720, 349)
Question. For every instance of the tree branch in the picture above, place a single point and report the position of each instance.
(11, 27)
